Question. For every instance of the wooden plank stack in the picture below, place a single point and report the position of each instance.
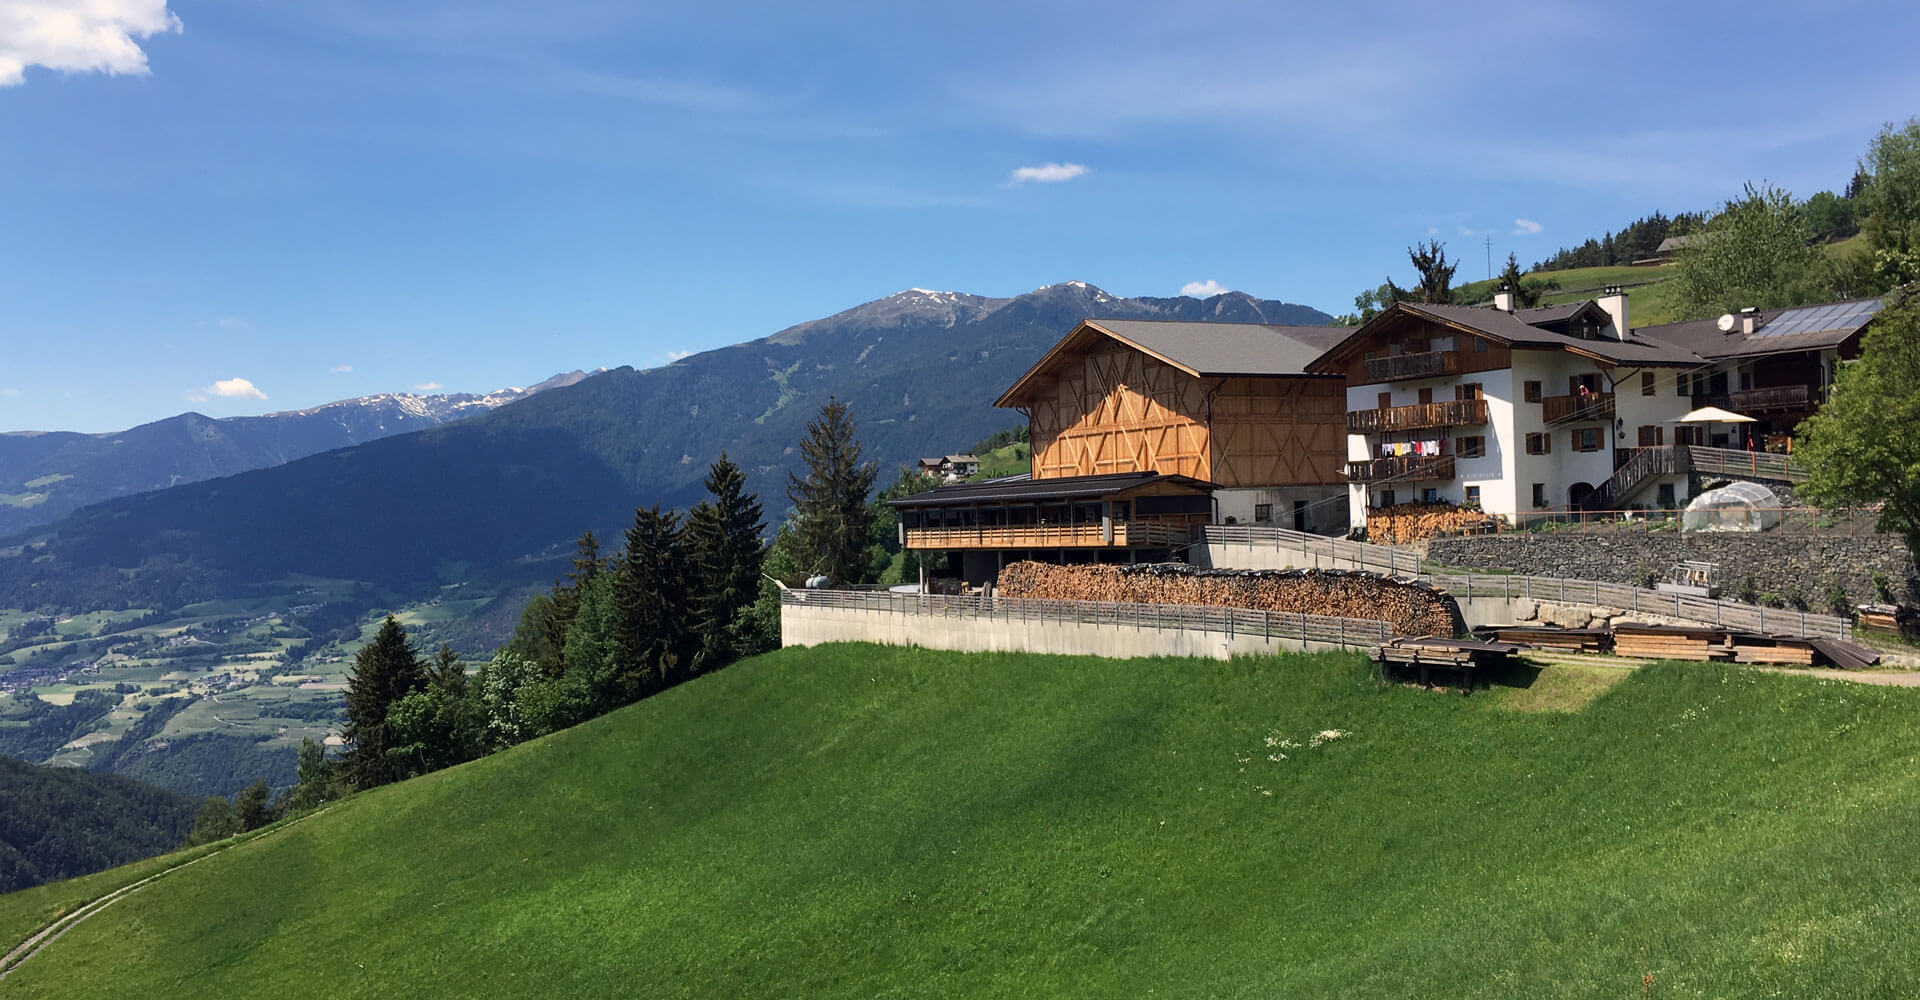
(1567, 640)
(1888, 618)
(1672, 642)
(1428, 653)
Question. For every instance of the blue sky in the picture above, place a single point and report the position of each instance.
(326, 199)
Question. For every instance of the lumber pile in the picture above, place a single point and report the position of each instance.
(1566, 640)
(1411, 608)
(1792, 655)
(1889, 618)
(1672, 642)
(1428, 653)
(1414, 522)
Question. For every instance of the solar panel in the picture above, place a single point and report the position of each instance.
(1819, 319)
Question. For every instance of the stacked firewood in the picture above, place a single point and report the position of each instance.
(1413, 522)
(1411, 608)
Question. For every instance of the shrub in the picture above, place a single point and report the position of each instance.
(1882, 588)
(1747, 592)
(1837, 601)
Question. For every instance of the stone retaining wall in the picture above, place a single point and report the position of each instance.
(1777, 564)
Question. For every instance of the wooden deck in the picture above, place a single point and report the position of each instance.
(1126, 535)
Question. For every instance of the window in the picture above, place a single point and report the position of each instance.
(1122, 509)
(1473, 496)
(1652, 436)
(1586, 439)
(1539, 496)
(1689, 435)
(1539, 444)
(1479, 345)
(1426, 396)
(1646, 383)
(1262, 513)
(1532, 390)
(1386, 400)
(1430, 495)
(1472, 447)
(1666, 500)
(1683, 384)
(1386, 498)
(1469, 390)
(1299, 515)
(1589, 382)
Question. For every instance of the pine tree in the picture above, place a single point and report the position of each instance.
(832, 524)
(250, 808)
(650, 633)
(386, 670)
(557, 617)
(448, 674)
(723, 538)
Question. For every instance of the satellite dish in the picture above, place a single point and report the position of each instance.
(1726, 323)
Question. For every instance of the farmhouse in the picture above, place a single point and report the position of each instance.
(1140, 429)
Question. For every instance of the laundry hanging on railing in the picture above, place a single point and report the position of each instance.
(1403, 449)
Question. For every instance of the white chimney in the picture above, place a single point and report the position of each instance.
(1613, 299)
(1503, 299)
(1748, 317)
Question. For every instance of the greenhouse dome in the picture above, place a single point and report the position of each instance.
(1733, 507)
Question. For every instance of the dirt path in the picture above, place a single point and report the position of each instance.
(1883, 678)
(55, 931)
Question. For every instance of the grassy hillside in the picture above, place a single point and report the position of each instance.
(859, 822)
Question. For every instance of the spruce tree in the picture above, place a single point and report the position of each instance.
(650, 628)
(723, 538)
(557, 617)
(832, 523)
(386, 670)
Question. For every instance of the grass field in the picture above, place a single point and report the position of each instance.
(858, 821)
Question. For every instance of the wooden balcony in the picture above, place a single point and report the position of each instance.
(1418, 416)
(1412, 468)
(1126, 534)
(1775, 397)
(1577, 409)
(1432, 364)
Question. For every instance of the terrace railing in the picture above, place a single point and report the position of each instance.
(1773, 397)
(1431, 364)
(1189, 617)
(1408, 468)
(1418, 416)
(1577, 408)
(1126, 534)
(1752, 464)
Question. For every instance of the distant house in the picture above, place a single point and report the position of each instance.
(932, 468)
(958, 467)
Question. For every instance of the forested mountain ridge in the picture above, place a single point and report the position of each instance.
(485, 495)
(46, 475)
(59, 822)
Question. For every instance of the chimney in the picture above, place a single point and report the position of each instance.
(1503, 299)
(1749, 317)
(1613, 299)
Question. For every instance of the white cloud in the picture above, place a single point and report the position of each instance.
(235, 323)
(1203, 289)
(1466, 231)
(78, 36)
(1047, 173)
(226, 388)
(1526, 227)
(673, 356)
(340, 369)
(1433, 230)
(429, 386)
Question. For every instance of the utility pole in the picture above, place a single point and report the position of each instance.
(1489, 239)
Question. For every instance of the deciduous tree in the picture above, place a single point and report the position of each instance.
(1755, 252)
(1863, 446)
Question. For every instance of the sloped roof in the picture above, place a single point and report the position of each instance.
(1776, 331)
(1025, 487)
(1514, 330)
(1204, 350)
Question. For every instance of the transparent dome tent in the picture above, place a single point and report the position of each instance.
(1733, 507)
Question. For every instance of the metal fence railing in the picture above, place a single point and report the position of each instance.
(1830, 521)
(1188, 617)
(1379, 558)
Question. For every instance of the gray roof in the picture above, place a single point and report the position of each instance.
(1214, 349)
(1024, 487)
(1505, 326)
(1672, 243)
(1776, 331)
(1552, 314)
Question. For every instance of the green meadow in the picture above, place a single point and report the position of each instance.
(859, 821)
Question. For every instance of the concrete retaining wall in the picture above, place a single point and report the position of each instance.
(809, 626)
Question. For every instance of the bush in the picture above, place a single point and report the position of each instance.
(1883, 588)
(1747, 592)
(1838, 602)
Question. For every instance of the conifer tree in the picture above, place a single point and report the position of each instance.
(723, 538)
(386, 670)
(557, 617)
(251, 809)
(650, 633)
(832, 523)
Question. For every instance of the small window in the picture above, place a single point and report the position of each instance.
(1666, 500)
(1683, 384)
(1652, 436)
(1586, 439)
(1646, 383)
(1426, 396)
(1386, 400)
(1473, 496)
(1539, 444)
(1469, 390)
(1473, 447)
(1262, 513)
(1479, 345)
(1386, 498)
(1430, 495)
(1532, 390)
(1539, 496)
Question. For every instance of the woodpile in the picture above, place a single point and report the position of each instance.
(1410, 608)
(1888, 618)
(1672, 642)
(1566, 640)
(1788, 654)
(1427, 653)
(1414, 522)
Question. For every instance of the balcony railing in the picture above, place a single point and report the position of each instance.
(1418, 416)
(1408, 468)
(1774, 397)
(1432, 364)
(1576, 408)
(1126, 534)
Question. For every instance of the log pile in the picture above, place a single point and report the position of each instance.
(1414, 522)
(1410, 608)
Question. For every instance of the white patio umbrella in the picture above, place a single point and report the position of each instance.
(1713, 415)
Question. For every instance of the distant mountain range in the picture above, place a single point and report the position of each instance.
(503, 492)
(45, 476)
